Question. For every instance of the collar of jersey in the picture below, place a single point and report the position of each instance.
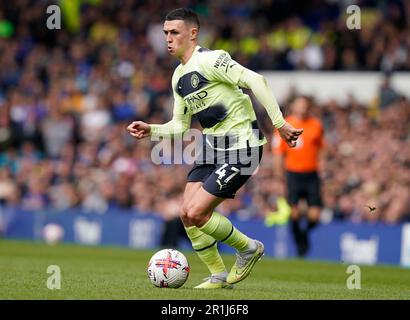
(193, 53)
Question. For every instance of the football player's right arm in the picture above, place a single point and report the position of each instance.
(180, 123)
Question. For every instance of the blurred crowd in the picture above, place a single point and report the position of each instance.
(66, 97)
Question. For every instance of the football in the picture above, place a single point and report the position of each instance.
(53, 233)
(168, 268)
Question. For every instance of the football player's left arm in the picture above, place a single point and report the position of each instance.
(220, 66)
(260, 88)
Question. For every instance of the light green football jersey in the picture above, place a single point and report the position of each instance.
(207, 87)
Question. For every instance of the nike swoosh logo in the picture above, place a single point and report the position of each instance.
(254, 260)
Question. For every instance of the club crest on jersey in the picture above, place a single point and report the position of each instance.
(194, 81)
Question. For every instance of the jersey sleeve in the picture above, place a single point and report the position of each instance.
(181, 120)
(179, 104)
(218, 65)
(260, 88)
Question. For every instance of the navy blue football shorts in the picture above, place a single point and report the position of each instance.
(223, 172)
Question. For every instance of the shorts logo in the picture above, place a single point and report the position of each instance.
(220, 184)
(221, 172)
(194, 81)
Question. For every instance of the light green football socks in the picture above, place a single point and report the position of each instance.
(221, 229)
(207, 250)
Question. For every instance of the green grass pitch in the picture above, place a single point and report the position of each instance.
(120, 273)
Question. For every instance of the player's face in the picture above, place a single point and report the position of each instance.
(178, 35)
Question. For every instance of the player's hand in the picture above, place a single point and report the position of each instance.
(289, 134)
(139, 129)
